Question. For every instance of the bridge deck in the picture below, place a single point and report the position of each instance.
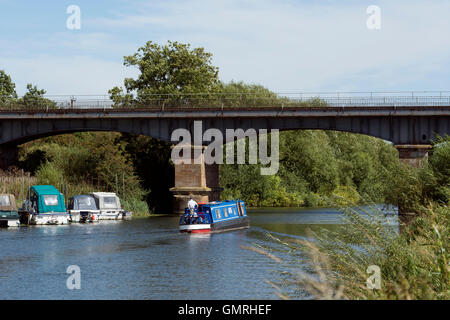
(208, 112)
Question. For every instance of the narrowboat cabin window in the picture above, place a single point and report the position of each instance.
(109, 202)
(50, 200)
(230, 211)
(4, 201)
(225, 213)
(218, 215)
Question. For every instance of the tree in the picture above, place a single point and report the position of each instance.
(7, 87)
(34, 99)
(172, 69)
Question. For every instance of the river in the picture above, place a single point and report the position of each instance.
(146, 258)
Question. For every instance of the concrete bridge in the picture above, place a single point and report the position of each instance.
(410, 128)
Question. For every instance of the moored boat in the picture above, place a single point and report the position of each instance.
(44, 206)
(9, 217)
(109, 205)
(215, 217)
(83, 208)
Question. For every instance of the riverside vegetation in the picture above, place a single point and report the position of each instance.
(414, 264)
(317, 168)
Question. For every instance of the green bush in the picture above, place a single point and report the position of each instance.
(345, 196)
(49, 174)
(137, 206)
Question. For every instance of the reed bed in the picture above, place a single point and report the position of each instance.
(16, 183)
(413, 263)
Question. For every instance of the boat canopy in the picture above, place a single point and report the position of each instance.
(107, 200)
(82, 202)
(7, 202)
(47, 199)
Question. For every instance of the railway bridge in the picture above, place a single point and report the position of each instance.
(409, 123)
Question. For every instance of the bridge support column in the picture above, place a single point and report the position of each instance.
(8, 156)
(414, 155)
(201, 181)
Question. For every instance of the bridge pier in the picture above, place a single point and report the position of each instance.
(8, 156)
(201, 181)
(414, 155)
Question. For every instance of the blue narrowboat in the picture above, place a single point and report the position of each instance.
(215, 217)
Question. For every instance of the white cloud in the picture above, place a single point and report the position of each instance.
(75, 75)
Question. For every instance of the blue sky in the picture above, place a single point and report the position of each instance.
(285, 45)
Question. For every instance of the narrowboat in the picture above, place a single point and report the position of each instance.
(83, 208)
(215, 217)
(9, 216)
(44, 206)
(109, 205)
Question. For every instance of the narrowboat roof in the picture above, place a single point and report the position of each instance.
(221, 203)
(7, 202)
(46, 190)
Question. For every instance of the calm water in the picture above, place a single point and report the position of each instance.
(149, 259)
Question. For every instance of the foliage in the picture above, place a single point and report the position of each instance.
(33, 98)
(413, 265)
(413, 258)
(86, 162)
(173, 69)
(49, 174)
(412, 188)
(176, 75)
(345, 196)
(7, 88)
(319, 168)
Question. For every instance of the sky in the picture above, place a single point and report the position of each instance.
(287, 46)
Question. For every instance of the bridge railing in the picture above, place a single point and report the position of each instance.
(242, 100)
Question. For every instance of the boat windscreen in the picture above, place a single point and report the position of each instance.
(86, 203)
(51, 199)
(4, 201)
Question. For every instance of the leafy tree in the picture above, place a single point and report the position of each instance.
(7, 87)
(309, 155)
(34, 99)
(173, 69)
